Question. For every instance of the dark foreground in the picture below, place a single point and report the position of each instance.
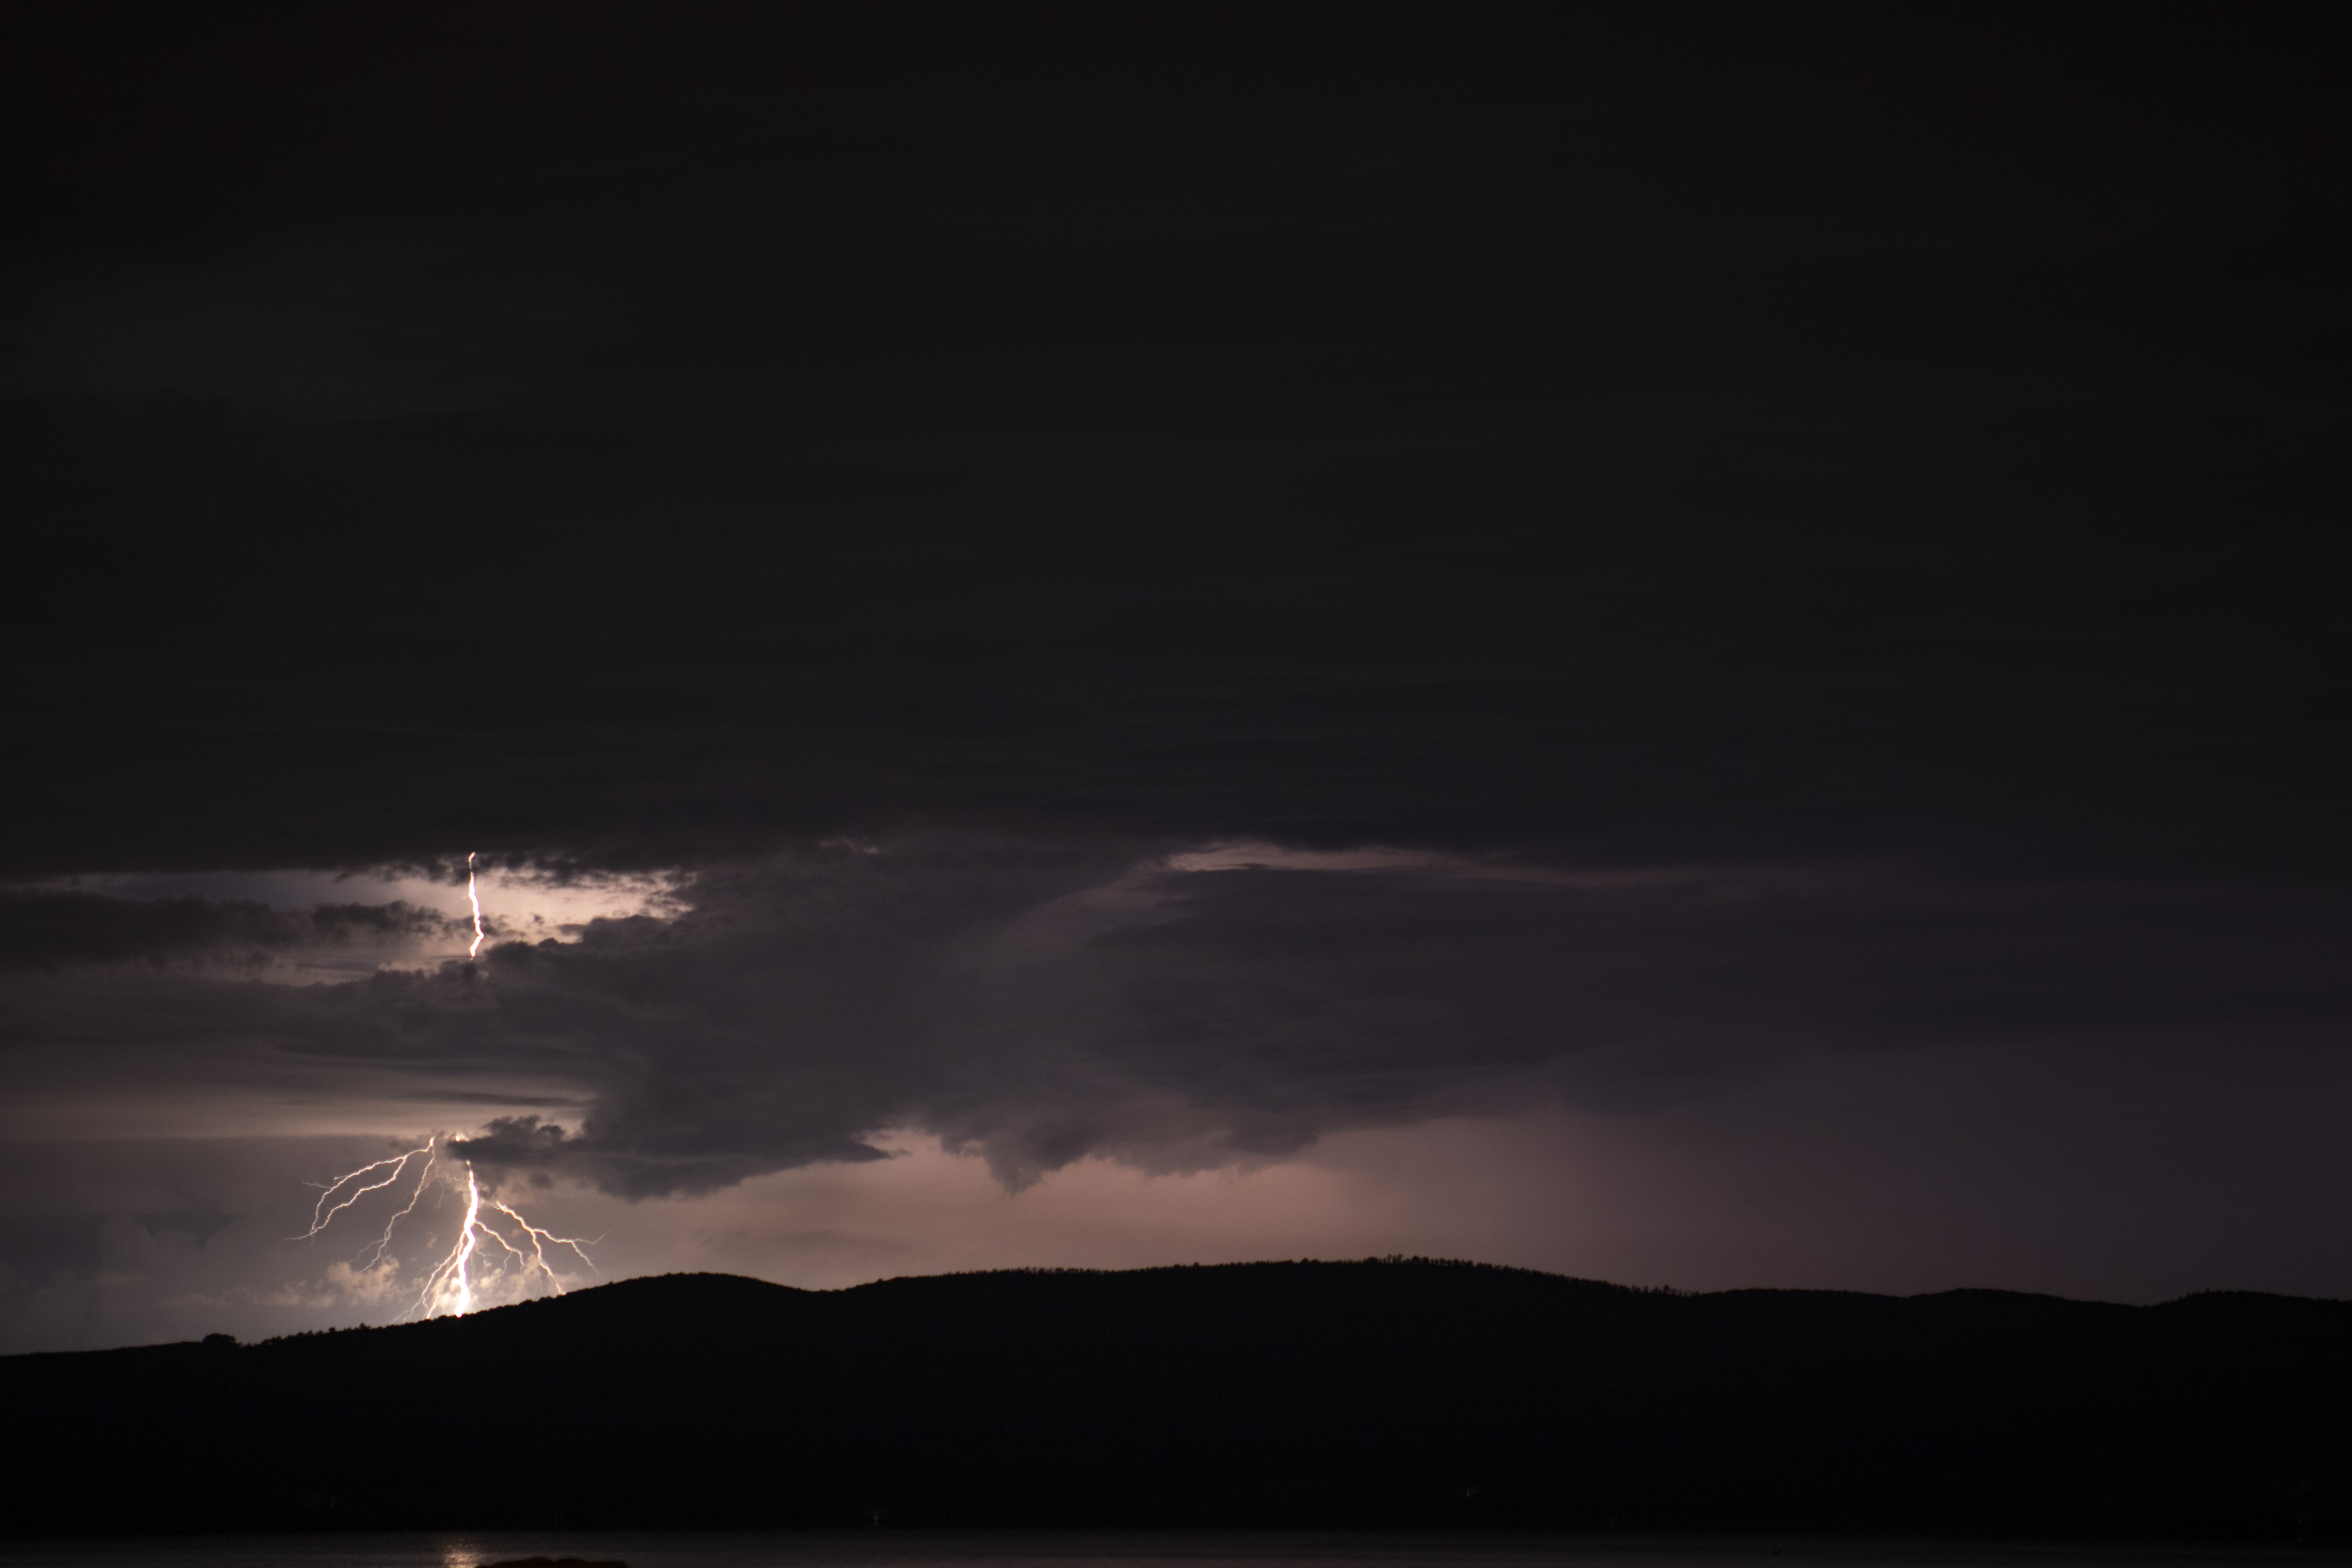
(1374, 1395)
(870, 1548)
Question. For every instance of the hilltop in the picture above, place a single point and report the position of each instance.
(1397, 1393)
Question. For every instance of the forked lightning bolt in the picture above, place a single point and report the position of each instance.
(321, 1213)
(462, 1279)
(458, 1283)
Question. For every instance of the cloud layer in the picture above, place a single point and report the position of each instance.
(1042, 1005)
(56, 928)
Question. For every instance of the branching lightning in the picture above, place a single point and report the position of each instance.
(321, 1213)
(470, 1274)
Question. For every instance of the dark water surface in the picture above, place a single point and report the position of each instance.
(946, 1549)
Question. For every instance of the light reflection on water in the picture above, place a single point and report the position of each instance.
(964, 1549)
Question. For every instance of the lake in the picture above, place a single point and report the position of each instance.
(916, 1549)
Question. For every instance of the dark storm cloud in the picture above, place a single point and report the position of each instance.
(1187, 1020)
(1631, 435)
(54, 929)
(1040, 1007)
(1941, 597)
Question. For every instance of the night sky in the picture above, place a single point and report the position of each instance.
(1691, 645)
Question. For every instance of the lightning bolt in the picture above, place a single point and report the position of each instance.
(321, 1213)
(470, 1274)
(474, 897)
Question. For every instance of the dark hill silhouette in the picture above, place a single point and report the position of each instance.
(1397, 1393)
